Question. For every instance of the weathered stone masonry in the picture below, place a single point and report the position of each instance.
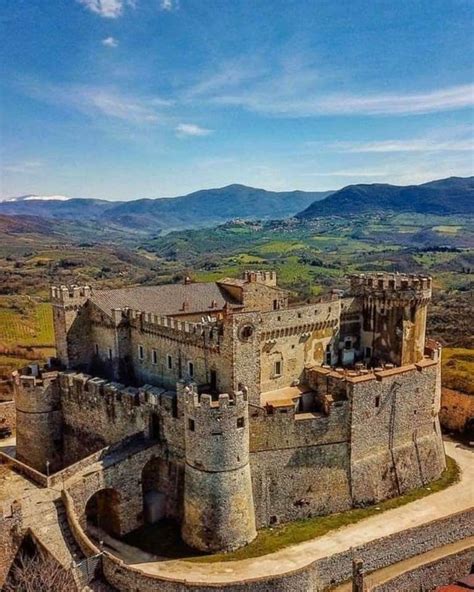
(329, 405)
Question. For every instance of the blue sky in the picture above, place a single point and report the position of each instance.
(122, 99)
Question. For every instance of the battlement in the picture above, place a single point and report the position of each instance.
(235, 402)
(269, 278)
(209, 332)
(69, 294)
(391, 285)
(82, 385)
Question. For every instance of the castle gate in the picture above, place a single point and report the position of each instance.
(103, 511)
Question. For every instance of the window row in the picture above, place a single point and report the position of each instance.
(169, 360)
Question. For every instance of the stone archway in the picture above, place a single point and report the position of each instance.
(155, 490)
(103, 511)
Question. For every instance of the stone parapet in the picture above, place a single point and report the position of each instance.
(69, 294)
(391, 285)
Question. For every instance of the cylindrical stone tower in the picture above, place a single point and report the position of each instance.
(218, 502)
(38, 421)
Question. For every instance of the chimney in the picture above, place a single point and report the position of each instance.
(185, 306)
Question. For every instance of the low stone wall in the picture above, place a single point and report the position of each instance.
(427, 577)
(23, 469)
(315, 577)
(456, 410)
(7, 414)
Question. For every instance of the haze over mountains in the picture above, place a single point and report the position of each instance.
(201, 208)
(210, 207)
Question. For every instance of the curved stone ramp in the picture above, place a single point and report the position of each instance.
(299, 558)
(384, 579)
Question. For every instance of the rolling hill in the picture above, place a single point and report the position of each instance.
(444, 197)
(201, 208)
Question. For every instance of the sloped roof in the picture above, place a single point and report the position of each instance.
(166, 300)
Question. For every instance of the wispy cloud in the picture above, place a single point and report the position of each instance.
(410, 145)
(292, 86)
(348, 173)
(104, 101)
(24, 166)
(107, 8)
(110, 42)
(191, 129)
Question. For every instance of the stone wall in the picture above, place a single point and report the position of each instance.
(427, 577)
(10, 536)
(296, 337)
(317, 576)
(7, 414)
(97, 413)
(396, 441)
(457, 411)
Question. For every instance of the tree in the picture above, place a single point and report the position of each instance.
(38, 573)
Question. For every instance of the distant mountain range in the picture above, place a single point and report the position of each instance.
(202, 208)
(446, 196)
(210, 207)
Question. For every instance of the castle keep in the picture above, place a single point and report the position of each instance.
(251, 411)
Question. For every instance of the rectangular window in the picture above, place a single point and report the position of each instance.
(278, 368)
(169, 362)
(154, 356)
(191, 425)
(377, 401)
(275, 305)
(111, 353)
(240, 422)
(191, 369)
(141, 352)
(368, 352)
(348, 344)
(96, 349)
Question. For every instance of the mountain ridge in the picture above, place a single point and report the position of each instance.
(453, 195)
(205, 207)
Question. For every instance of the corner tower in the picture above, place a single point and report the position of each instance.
(66, 304)
(394, 309)
(38, 421)
(218, 501)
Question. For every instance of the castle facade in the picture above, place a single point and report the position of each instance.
(257, 412)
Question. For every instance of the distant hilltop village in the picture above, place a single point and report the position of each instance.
(232, 409)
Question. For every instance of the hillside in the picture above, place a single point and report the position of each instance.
(444, 197)
(201, 208)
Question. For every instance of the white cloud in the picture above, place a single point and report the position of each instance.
(110, 42)
(348, 173)
(107, 8)
(409, 145)
(191, 129)
(25, 166)
(169, 5)
(292, 86)
(102, 101)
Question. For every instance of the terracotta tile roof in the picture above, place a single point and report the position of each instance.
(451, 588)
(166, 300)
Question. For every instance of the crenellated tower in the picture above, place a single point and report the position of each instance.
(394, 309)
(38, 420)
(218, 501)
(67, 302)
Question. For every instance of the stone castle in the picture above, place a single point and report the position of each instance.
(235, 409)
